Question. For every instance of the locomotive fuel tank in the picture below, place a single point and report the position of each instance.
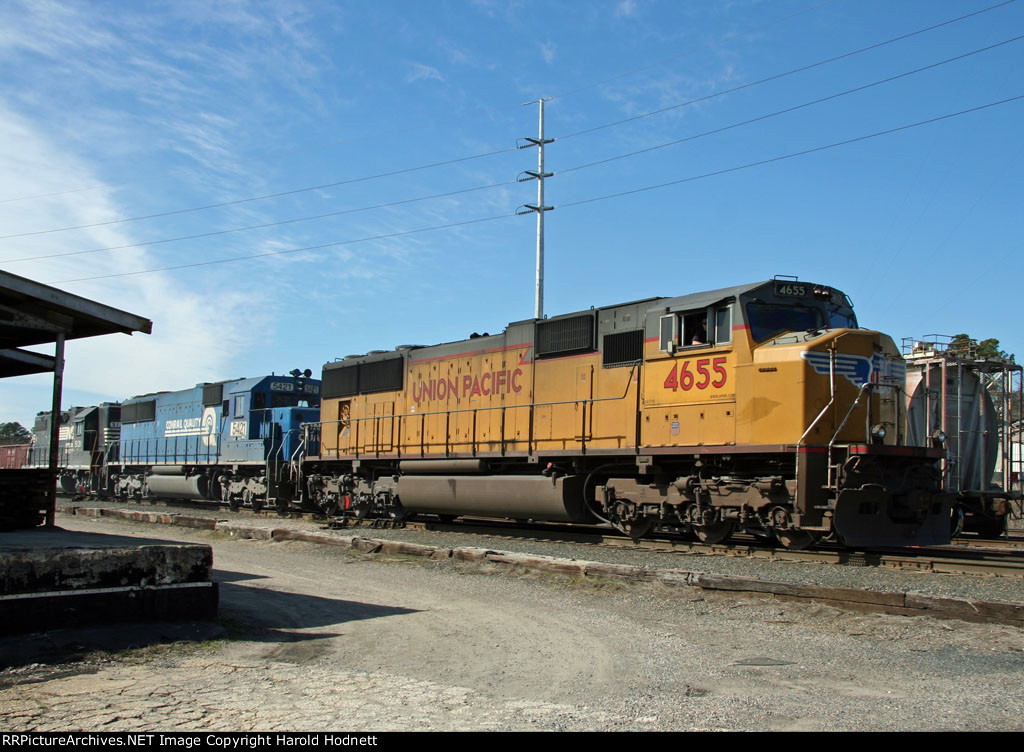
(554, 499)
(173, 482)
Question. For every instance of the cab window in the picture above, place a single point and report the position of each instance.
(695, 329)
(767, 321)
(669, 338)
(723, 325)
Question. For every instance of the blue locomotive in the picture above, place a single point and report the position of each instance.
(232, 441)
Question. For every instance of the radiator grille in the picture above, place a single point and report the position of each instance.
(623, 348)
(138, 412)
(364, 378)
(213, 394)
(565, 336)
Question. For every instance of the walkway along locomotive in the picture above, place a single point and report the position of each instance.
(761, 406)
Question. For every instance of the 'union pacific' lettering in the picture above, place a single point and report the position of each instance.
(492, 382)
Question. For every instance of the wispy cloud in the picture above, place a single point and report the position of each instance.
(625, 9)
(89, 81)
(420, 72)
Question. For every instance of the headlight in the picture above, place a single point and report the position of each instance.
(938, 437)
(878, 431)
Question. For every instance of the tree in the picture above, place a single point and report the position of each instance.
(14, 433)
(965, 346)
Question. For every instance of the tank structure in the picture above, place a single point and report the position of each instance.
(966, 398)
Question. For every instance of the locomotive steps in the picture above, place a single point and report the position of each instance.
(909, 603)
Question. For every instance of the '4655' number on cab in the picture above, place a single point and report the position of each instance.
(681, 377)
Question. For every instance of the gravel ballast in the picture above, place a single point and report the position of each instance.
(824, 575)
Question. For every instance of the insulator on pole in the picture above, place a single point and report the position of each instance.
(540, 142)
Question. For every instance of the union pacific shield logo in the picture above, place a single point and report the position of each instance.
(859, 369)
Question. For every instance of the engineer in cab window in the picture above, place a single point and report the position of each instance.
(695, 329)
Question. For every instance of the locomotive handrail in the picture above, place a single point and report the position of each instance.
(150, 450)
(474, 411)
(278, 452)
(866, 386)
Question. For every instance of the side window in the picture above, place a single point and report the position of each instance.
(669, 333)
(240, 406)
(695, 329)
(723, 325)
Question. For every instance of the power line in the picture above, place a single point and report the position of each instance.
(260, 198)
(293, 250)
(263, 226)
(794, 154)
(195, 171)
(509, 183)
(503, 151)
(474, 114)
(777, 76)
(707, 46)
(566, 205)
(791, 109)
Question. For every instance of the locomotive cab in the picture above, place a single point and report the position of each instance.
(864, 483)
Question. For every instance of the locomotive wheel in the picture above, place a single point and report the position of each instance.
(636, 529)
(714, 533)
(328, 505)
(987, 527)
(234, 504)
(956, 521)
(795, 539)
(257, 502)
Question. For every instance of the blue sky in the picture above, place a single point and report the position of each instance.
(113, 111)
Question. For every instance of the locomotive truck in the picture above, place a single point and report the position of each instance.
(761, 406)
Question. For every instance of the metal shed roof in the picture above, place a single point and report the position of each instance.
(32, 313)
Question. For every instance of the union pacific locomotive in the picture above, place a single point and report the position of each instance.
(761, 406)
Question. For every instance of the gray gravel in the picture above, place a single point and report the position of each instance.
(977, 587)
(324, 637)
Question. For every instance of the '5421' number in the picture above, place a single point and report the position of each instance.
(681, 377)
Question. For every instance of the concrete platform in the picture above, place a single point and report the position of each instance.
(51, 578)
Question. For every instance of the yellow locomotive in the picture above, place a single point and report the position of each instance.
(761, 406)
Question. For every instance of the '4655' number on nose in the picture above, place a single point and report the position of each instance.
(681, 377)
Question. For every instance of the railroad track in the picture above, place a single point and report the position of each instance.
(1000, 557)
(1011, 542)
(942, 559)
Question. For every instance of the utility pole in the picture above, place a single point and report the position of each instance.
(540, 208)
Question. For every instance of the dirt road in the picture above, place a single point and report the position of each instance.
(320, 638)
